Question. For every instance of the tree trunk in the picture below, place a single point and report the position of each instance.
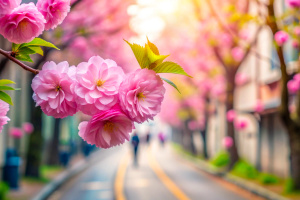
(34, 153)
(53, 152)
(294, 140)
(234, 156)
(35, 148)
(204, 141)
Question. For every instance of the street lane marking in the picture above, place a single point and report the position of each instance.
(173, 188)
(119, 180)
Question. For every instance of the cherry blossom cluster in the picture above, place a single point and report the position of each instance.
(21, 23)
(281, 37)
(99, 88)
(294, 84)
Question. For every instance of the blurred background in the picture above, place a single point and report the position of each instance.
(223, 137)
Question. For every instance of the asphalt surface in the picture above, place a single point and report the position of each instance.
(159, 175)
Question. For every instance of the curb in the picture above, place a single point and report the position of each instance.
(64, 176)
(246, 185)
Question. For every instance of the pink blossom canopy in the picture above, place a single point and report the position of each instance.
(15, 132)
(240, 124)
(54, 11)
(293, 3)
(53, 90)
(107, 128)
(23, 24)
(28, 127)
(141, 95)
(4, 108)
(97, 87)
(227, 142)
(281, 37)
(230, 115)
(6, 6)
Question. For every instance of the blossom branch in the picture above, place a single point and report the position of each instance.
(8, 55)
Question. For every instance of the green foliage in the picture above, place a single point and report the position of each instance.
(289, 186)
(23, 51)
(170, 67)
(3, 190)
(268, 179)
(245, 170)
(221, 159)
(171, 83)
(3, 87)
(149, 57)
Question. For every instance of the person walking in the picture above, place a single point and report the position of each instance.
(135, 144)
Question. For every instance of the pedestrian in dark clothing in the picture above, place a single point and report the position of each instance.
(148, 137)
(135, 144)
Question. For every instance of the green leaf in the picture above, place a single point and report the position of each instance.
(37, 50)
(23, 57)
(25, 51)
(38, 42)
(154, 59)
(6, 81)
(171, 83)
(170, 67)
(15, 47)
(5, 97)
(4, 87)
(153, 47)
(140, 54)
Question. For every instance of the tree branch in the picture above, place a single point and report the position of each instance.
(7, 54)
(284, 107)
(234, 35)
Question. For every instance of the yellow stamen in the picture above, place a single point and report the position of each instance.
(57, 88)
(140, 95)
(22, 25)
(100, 83)
(108, 126)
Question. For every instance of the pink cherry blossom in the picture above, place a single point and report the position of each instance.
(97, 87)
(293, 3)
(237, 53)
(241, 79)
(240, 124)
(227, 142)
(28, 127)
(297, 78)
(141, 95)
(259, 106)
(297, 30)
(293, 86)
(107, 128)
(193, 125)
(6, 6)
(54, 11)
(281, 37)
(230, 115)
(16, 132)
(53, 90)
(295, 44)
(4, 108)
(23, 24)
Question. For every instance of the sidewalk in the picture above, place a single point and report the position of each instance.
(52, 178)
(240, 182)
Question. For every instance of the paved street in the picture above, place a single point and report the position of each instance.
(159, 175)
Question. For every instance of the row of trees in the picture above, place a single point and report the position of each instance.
(220, 38)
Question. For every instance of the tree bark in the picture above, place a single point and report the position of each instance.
(53, 152)
(234, 156)
(34, 153)
(204, 139)
(294, 140)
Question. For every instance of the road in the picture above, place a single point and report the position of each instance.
(159, 175)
